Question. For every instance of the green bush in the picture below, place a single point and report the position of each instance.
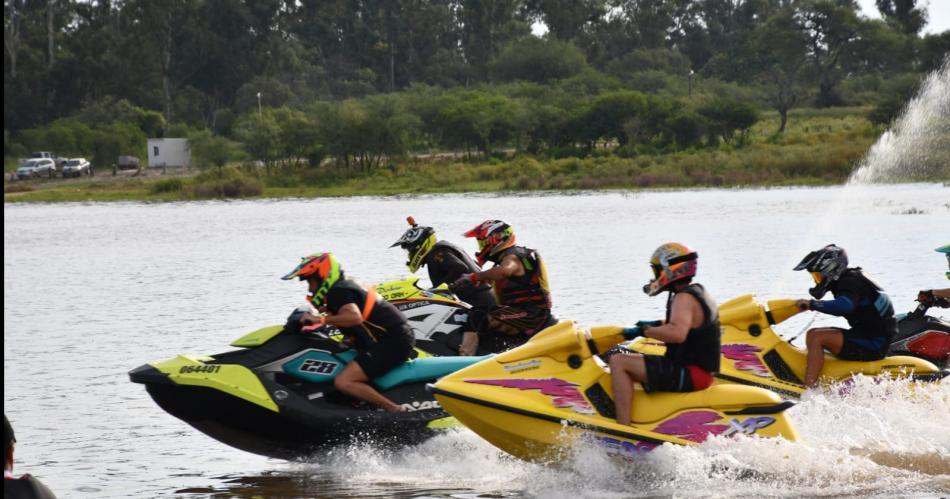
(166, 185)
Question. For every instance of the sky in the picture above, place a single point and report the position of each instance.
(938, 19)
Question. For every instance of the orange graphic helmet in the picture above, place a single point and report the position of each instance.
(670, 262)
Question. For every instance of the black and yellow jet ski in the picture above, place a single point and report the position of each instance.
(274, 395)
(536, 400)
(754, 354)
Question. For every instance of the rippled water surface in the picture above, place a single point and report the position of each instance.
(94, 290)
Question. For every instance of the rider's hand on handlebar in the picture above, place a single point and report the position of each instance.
(462, 282)
(311, 321)
(803, 305)
(630, 333)
(926, 297)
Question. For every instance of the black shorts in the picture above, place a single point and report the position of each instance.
(388, 353)
(664, 375)
(857, 346)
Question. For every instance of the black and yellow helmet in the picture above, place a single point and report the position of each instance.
(417, 241)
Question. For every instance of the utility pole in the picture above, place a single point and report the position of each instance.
(690, 84)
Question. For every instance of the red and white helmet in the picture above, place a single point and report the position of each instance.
(493, 236)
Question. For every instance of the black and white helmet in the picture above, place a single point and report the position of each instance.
(826, 266)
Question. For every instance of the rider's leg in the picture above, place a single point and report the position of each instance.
(469, 343)
(354, 382)
(625, 370)
(817, 340)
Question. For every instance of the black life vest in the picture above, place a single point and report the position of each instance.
(526, 291)
(701, 347)
(479, 295)
(873, 313)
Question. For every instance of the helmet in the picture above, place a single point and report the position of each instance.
(323, 266)
(826, 266)
(945, 249)
(418, 241)
(671, 262)
(493, 236)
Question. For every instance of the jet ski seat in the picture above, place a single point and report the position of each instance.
(428, 368)
(651, 407)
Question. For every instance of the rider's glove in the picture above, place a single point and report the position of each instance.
(926, 297)
(630, 333)
(464, 281)
(316, 325)
(646, 324)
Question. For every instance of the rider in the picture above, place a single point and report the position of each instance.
(445, 261)
(937, 297)
(378, 330)
(520, 283)
(23, 487)
(691, 333)
(858, 299)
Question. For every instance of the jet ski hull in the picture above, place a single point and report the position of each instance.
(536, 401)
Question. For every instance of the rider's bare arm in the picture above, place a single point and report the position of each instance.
(348, 316)
(509, 266)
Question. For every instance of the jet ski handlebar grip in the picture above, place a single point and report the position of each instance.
(630, 333)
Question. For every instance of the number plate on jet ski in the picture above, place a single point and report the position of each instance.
(199, 369)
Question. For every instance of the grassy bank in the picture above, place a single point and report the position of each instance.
(820, 147)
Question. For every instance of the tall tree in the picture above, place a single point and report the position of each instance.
(565, 19)
(905, 15)
(830, 27)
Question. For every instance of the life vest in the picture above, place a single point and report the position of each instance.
(701, 347)
(873, 313)
(529, 290)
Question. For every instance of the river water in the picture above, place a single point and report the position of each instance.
(94, 290)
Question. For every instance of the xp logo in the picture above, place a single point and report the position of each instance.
(315, 366)
(421, 406)
(748, 426)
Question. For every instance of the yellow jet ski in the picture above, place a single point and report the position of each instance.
(753, 354)
(534, 401)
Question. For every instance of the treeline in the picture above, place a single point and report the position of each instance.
(369, 80)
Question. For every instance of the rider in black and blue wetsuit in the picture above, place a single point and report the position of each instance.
(861, 301)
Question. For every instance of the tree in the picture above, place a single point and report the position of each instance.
(727, 116)
(212, 150)
(904, 15)
(566, 19)
(830, 27)
(537, 60)
(779, 55)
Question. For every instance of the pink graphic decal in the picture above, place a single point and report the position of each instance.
(566, 394)
(746, 359)
(693, 426)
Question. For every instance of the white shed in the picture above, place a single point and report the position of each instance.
(169, 153)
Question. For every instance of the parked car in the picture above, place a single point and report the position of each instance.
(76, 167)
(127, 163)
(44, 168)
(25, 170)
(36, 168)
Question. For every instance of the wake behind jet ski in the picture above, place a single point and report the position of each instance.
(534, 401)
(275, 395)
(754, 354)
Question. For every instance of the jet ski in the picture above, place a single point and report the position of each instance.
(274, 396)
(537, 400)
(754, 354)
(923, 336)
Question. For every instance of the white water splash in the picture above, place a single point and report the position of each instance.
(875, 439)
(918, 145)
